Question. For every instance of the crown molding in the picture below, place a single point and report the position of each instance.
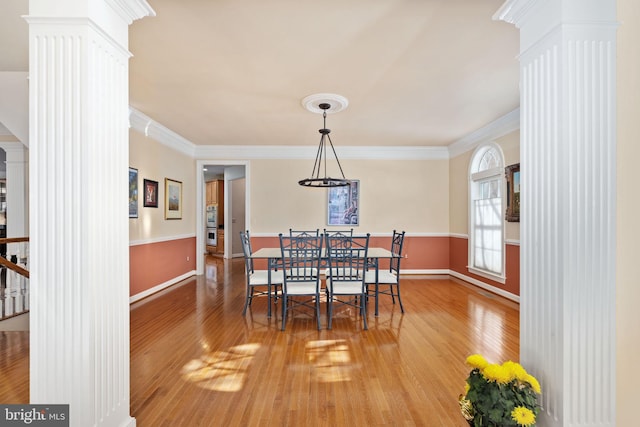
(508, 123)
(514, 11)
(130, 10)
(308, 152)
(152, 129)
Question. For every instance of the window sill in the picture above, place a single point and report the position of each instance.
(487, 275)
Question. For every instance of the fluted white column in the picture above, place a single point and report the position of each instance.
(78, 197)
(567, 247)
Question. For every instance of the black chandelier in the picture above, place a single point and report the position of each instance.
(321, 159)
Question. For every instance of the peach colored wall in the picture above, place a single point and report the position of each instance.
(156, 263)
(459, 256)
(431, 253)
(423, 252)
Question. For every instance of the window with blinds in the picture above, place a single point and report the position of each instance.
(486, 246)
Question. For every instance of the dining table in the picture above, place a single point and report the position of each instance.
(274, 259)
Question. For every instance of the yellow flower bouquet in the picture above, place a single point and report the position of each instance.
(499, 395)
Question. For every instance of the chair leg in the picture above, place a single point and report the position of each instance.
(269, 300)
(326, 292)
(318, 310)
(330, 311)
(284, 311)
(247, 300)
(399, 299)
(363, 311)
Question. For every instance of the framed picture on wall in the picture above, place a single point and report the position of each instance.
(172, 199)
(150, 193)
(133, 193)
(513, 193)
(343, 206)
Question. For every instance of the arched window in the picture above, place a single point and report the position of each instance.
(486, 223)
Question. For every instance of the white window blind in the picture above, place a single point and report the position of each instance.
(487, 227)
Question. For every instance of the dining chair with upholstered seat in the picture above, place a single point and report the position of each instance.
(388, 277)
(301, 257)
(258, 278)
(347, 258)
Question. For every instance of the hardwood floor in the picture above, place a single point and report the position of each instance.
(196, 361)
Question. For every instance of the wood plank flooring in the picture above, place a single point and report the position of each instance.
(196, 361)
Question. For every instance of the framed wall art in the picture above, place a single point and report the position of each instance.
(133, 193)
(343, 206)
(172, 199)
(513, 193)
(150, 193)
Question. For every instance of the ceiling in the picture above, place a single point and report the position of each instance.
(234, 72)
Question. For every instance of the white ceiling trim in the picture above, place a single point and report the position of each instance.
(131, 10)
(508, 123)
(149, 127)
(308, 152)
(152, 129)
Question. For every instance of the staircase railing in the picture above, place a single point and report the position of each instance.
(14, 277)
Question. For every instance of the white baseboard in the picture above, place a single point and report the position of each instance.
(427, 271)
(160, 287)
(471, 280)
(486, 286)
(461, 276)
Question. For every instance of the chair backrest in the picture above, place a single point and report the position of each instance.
(397, 241)
(347, 257)
(301, 258)
(303, 233)
(330, 233)
(245, 238)
(301, 239)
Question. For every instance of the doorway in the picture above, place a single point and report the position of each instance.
(234, 215)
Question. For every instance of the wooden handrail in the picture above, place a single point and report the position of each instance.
(14, 267)
(14, 240)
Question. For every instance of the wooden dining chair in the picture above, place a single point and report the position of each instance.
(301, 257)
(258, 278)
(347, 258)
(389, 277)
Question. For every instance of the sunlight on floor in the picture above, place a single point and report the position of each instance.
(221, 370)
(331, 360)
(487, 329)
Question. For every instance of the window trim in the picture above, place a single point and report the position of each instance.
(476, 177)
